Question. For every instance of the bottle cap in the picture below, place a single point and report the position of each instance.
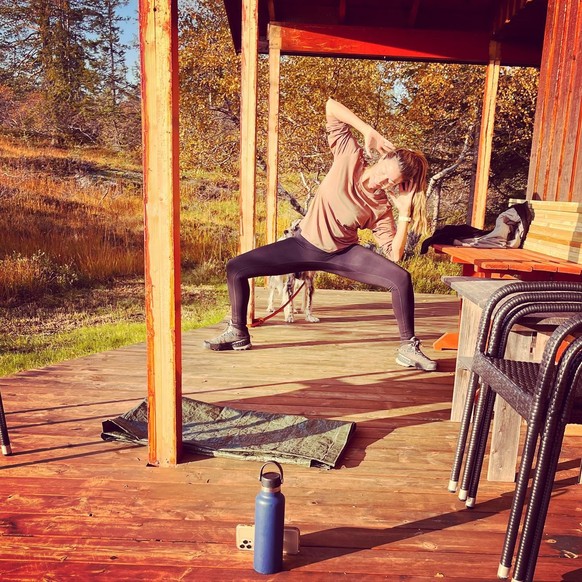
(271, 480)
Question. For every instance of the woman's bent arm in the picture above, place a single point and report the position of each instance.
(373, 140)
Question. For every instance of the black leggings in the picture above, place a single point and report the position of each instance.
(292, 255)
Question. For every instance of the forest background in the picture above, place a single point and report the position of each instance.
(71, 209)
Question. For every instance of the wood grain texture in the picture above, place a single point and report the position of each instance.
(75, 507)
(159, 70)
(555, 172)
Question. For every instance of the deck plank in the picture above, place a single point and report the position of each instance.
(75, 507)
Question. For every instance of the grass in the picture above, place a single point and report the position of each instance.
(76, 219)
(29, 352)
(78, 322)
(427, 272)
(65, 220)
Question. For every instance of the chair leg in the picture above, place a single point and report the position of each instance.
(4, 438)
(463, 432)
(551, 436)
(518, 501)
(543, 481)
(476, 431)
(537, 510)
(483, 437)
(477, 422)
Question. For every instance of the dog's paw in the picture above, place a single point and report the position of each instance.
(270, 309)
(311, 318)
(289, 318)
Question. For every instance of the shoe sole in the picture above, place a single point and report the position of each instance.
(407, 363)
(226, 347)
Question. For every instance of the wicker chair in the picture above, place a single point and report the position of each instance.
(495, 342)
(4, 438)
(535, 391)
(510, 313)
(565, 407)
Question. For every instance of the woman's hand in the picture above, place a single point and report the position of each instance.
(374, 140)
(402, 200)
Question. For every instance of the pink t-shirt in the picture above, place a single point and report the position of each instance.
(340, 206)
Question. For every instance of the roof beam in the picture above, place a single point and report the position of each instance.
(399, 44)
(507, 11)
(342, 10)
(413, 14)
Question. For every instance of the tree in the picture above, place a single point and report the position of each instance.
(441, 104)
(64, 50)
(209, 86)
(113, 88)
(514, 124)
(64, 59)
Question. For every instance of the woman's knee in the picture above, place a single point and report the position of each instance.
(401, 279)
(407, 278)
(233, 268)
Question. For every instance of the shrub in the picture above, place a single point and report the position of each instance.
(33, 275)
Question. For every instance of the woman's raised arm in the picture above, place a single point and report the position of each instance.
(372, 139)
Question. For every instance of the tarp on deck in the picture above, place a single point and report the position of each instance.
(222, 431)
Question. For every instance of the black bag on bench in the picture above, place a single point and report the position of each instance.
(510, 231)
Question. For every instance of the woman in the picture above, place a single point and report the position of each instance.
(352, 196)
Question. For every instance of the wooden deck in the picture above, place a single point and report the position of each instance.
(75, 507)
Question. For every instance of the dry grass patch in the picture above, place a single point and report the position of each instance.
(64, 221)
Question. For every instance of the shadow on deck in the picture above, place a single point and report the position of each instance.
(75, 507)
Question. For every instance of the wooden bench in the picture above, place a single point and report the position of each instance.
(552, 251)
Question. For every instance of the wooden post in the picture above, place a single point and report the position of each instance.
(248, 131)
(486, 135)
(158, 25)
(273, 137)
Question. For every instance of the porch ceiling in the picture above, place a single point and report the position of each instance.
(466, 25)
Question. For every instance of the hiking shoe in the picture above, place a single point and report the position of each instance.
(411, 356)
(231, 339)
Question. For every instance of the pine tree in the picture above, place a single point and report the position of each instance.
(114, 88)
(64, 60)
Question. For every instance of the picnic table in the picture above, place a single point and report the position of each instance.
(552, 251)
(499, 263)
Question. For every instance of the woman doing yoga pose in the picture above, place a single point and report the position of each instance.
(353, 195)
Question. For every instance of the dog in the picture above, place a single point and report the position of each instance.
(286, 285)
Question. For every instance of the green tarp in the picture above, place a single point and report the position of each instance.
(222, 431)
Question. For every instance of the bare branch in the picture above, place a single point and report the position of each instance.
(437, 179)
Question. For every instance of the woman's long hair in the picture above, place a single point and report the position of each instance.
(414, 168)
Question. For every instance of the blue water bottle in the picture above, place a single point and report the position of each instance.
(269, 522)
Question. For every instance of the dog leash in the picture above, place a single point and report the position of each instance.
(261, 320)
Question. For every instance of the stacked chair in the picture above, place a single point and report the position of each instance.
(545, 394)
(4, 438)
